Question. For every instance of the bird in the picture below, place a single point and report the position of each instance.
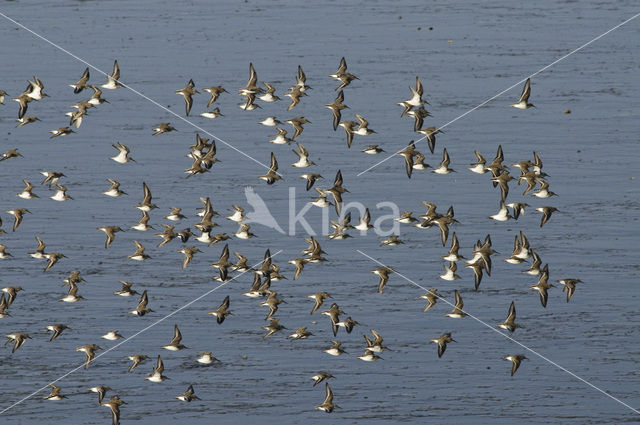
(430, 135)
(273, 327)
(546, 214)
(281, 138)
(369, 356)
(450, 272)
(55, 393)
(442, 342)
(303, 159)
(26, 120)
(136, 359)
(320, 377)
(51, 177)
(294, 93)
(156, 375)
(188, 395)
(123, 152)
(142, 308)
(515, 359)
(101, 390)
(372, 150)
(142, 224)
(164, 127)
(187, 92)
(328, 405)
(11, 153)
(114, 405)
(53, 258)
(457, 312)
(269, 95)
(57, 329)
(502, 214)
(523, 102)
(139, 254)
(82, 82)
(206, 358)
(110, 231)
(3, 252)
(18, 338)
(569, 286)
(126, 290)
(335, 349)
(61, 194)
(114, 190)
(543, 286)
(444, 165)
(375, 346)
(215, 113)
(112, 335)
(62, 131)
(432, 297)
(146, 204)
(272, 174)
(363, 128)
(318, 298)
(222, 312)
(336, 108)
(112, 80)
(72, 295)
(188, 252)
(215, 92)
(349, 128)
(383, 273)
(300, 333)
(90, 351)
(175, 344)
(510, 324)
(12, 293)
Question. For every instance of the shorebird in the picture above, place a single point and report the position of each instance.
(272, 175)
(188, 395)
(542, 286)
(502, 214)
(101, 390)
(57, 329)
(188, 252)
(164, 127)
(270, 122)
(215, 92)
(187, 92)
(72, 296)
(142, 225)
(55, 393)
(383, 273)
(515, 359)
(432, 298)
(17, 214)
(336, 109)
(457, 312)
(300, 333)
(294, 93)
(419, 114)
(215, 113)
(252, 84)
(372, 150)
(328, 405)
(123, 152)
(61, 194)
(12, 293)
(142, 308)
(318, 298)
(320, 377)
(26, 120)
(114, 405)
(18, 339)
(280, 138)
(112, 335)
(39, 252)
(11, 153)
(442, 342)
(222, 312)
(269, 96)
(90, 351)
(136, 359)
(112, 80)
(111, 234)
(444, 165)
(82, 82)
(139, 254)
(53, 258)
(175, 344)
(335, 349)
(375, 346)
(369, 356)
(114, 190)
(156, 375)
(544, 191)
(3, 252)
(523, 103)
(126, 290)
(273, 327)
(365, 219)
(51, 177)
(206, 358)
(546, 214)
(363, 129)
(430, 135)
(453, 255)
(569, 286)
(62, 131)
(510, 322)
(303, 159)
(450, 272)
(146, 204)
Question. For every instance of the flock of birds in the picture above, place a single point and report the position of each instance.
(203, 157)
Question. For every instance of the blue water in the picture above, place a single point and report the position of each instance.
(472, 52)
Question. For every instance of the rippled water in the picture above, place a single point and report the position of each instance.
(473, 52)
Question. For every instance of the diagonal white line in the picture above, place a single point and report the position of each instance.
(531, 350)
(132, 336)
(134, 90)
(544, 68)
